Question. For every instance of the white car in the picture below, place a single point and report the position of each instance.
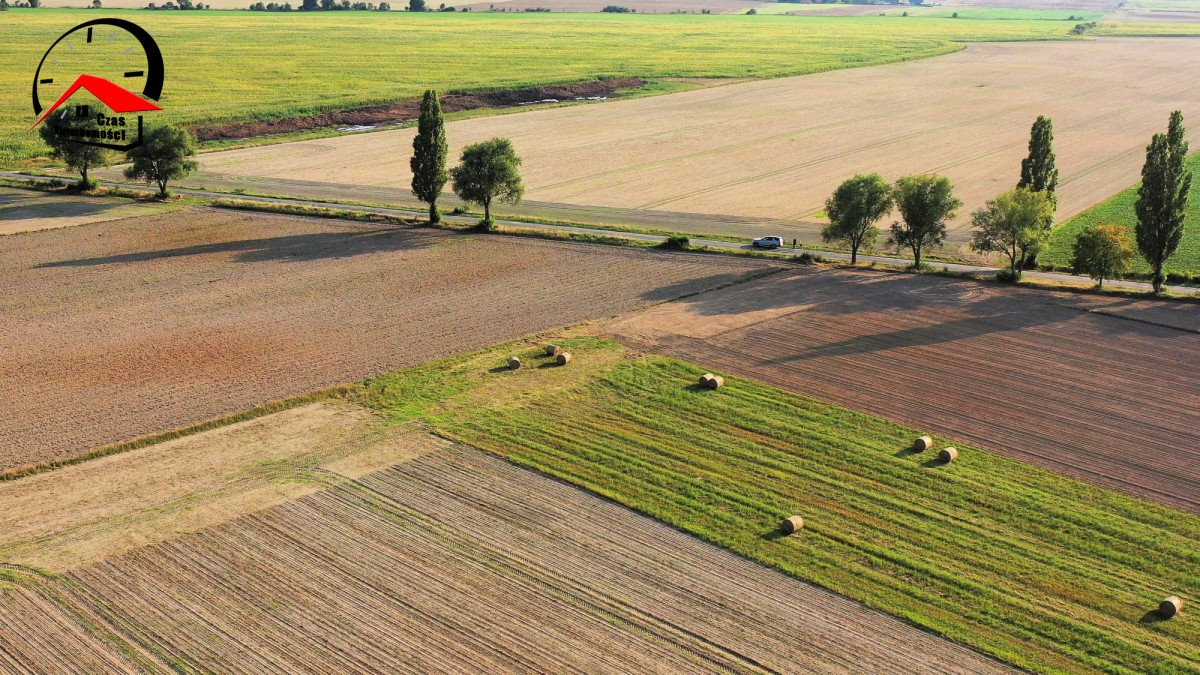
(768, 242)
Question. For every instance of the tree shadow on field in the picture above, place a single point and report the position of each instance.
(682, 289)
(845, 313)
(287, 248)
(843, 310)
(56, 209)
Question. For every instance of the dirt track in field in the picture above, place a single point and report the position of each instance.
(778, 148)
(456, 560)
(116, 330)
(1080, 385)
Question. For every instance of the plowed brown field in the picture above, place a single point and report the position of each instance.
(458, 561)
(122, 329)
(1102, 390)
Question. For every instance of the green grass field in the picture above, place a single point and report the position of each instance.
(1045, 572)
(241, 65)
(1120, 211)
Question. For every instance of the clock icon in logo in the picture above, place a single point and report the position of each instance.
(114, 60)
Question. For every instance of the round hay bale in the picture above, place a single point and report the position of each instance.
(715, 382)
(1170, 606)
(792, 525)
(922, 444)
(513, 363)
(563, 358)
(553, 350)
(705, 378)
(948, 455)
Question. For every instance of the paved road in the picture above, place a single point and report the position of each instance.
(712, 243)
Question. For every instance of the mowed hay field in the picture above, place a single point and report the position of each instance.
(223, 66)
(777, 149)
(1044, 571)
(449, 560)
(1097, 389)
(120, 329)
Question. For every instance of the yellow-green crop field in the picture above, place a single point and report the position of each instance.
(226, 65)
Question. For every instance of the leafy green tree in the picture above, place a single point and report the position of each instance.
(1013, 223)
(59, 128)
(1038, 172)
(165, 154)
(416, 5)
(428, 162)
(854, 208)
(925, 203)
(488, 171)
(1102, 252)
(1162, 198)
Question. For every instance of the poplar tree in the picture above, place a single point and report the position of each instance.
(1162, 198)
(429, 155)
(1038, 172)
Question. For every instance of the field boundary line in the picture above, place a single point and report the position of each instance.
(180, 432)
(1033, 279)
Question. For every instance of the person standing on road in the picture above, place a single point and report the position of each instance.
(793, 244)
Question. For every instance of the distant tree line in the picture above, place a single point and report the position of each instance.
(182, 4)
(421, 6)
(1017, 222)
(321, 5)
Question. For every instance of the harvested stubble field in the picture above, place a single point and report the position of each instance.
(1039, 569)
(228, 66)
(783, 145)
(115, 330)
(67, 518)
(1086, 386)
(453, 560)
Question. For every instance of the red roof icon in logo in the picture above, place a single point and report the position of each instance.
(118, 99)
